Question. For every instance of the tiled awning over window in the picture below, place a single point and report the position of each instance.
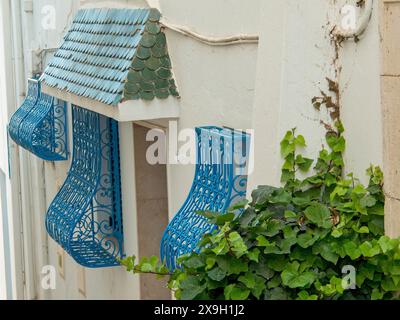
(113, 55)
(39, 125)
(219, 182)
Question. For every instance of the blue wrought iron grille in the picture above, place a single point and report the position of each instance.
(220, 181)
(40, 125)
(85, 217)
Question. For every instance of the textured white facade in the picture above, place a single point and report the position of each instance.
(266, 87)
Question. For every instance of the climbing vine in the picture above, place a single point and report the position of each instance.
(294, 242)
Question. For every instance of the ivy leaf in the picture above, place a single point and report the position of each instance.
(262, 194)
(146, 267)
(293, 279)
(232, 265)
(259, 287)
(377, 294)
(269, 246)
(369, 250)
(262, 241)
(290, 214)
(210, 262)
(387, 244)
(193, 262)
(191, 288)
(319, 214)
(339, 191)
(333, 287)
(273, 228)
(247, 217)
(239, 205)
(212, 285)
(287, 148)
(363, 230)
(278, 263)
(340, 145)
(306, 240)
(216, 217)
(367, 271)
(237, 244)
(326, 252)
(253, 254)
(302, 163)
(275, 282)
(303, 295)
(352, 250)
(376, 225)
(217, 274)
(248, 280)
(377, 210)
(337, 233)
(301, 200)
(368, 201)
(276, 294)
(388, 284)
(331, 138)
(289, 163)
(287, 175)
(289, 232)
(222, 248)
(359, 189)
(262, 270)
(300, 141)
(286, 244)
(281, 197)
(233, 292)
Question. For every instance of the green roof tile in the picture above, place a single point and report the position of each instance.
(113, 55)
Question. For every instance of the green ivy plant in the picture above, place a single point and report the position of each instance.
(297, 241)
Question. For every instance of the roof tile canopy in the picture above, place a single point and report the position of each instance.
(113, 55)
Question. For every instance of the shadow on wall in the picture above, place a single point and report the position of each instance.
(152, 212)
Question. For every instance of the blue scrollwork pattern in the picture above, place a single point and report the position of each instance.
(220, 181)
(85, 217)
(28, 104)
(39, 125)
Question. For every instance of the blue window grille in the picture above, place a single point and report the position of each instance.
(220, 181)
(85, 217)
(40, 125)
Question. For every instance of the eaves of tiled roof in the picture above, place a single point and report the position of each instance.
(113, 55)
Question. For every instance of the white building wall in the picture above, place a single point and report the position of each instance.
(297, 55)
(267, 87)
(13, 278)
(361, 100)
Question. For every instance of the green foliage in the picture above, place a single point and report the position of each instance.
(293, 242)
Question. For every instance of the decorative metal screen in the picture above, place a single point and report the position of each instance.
(220, 181)
(85, 217)
(40, 125)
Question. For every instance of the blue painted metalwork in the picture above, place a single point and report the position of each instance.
(28, 104)
(85, 217)
(220, 181)
(40, 124)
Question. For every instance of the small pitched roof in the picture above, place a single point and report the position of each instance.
(113, 55)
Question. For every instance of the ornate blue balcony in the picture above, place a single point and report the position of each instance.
(85, 216)
(220, 181)
(40, 125)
